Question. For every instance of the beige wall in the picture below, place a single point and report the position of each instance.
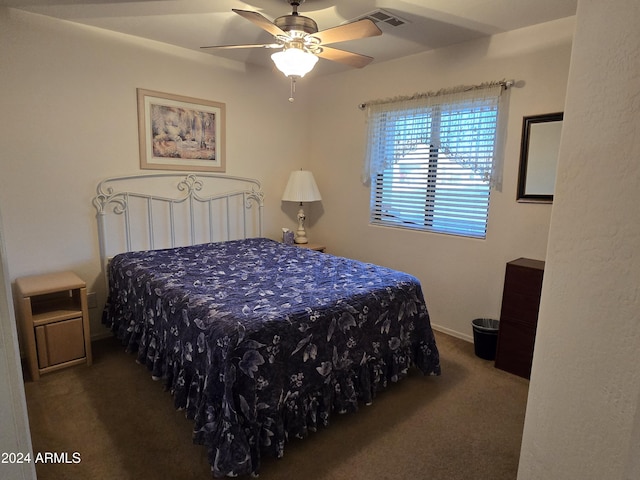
(71, 93)
(69, 119)
(462, 278)
(583, 415)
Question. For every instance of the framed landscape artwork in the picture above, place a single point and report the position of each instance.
(180, 133)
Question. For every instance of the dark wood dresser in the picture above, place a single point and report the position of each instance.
(519, 316)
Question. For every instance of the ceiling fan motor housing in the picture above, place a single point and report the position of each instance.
(296, 23)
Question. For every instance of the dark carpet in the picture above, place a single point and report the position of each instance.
(120, 424)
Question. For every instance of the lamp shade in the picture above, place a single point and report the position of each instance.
(301, 187)
(294, 62)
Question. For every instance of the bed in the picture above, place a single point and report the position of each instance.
(258, 341)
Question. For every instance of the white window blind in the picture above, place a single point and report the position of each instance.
(431, 161)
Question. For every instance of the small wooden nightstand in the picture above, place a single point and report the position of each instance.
(55, 321)
(312, 246)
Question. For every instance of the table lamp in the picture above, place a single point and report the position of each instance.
(301, 188)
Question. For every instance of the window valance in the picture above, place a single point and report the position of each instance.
(463, 123)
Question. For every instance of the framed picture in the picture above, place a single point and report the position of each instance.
(539, 150)
(180, 133)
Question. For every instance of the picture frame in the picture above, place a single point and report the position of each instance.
(180, 133)
(540, 145)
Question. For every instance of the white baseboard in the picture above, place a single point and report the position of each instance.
(453, 333)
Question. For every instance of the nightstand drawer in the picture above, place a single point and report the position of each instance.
(60, 342)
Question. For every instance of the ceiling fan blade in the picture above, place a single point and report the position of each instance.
(261, 21)
(260, 45)
(350, 31)
(342, 56)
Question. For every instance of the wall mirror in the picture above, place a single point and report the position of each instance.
(539, 157)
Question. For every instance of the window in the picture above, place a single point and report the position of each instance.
(431, 162)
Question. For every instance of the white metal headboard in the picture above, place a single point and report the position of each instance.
(164, 210)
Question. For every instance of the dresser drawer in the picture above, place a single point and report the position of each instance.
(515, 348)
(523, 280)
(520, 307)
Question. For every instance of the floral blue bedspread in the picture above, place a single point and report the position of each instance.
(259, 341)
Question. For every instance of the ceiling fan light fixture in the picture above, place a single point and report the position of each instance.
(294, 62)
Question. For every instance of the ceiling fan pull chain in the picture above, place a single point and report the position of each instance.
(293, 89)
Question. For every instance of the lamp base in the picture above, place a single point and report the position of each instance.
(301, 235)
(301, 238)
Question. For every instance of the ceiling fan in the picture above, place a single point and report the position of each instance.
(301, 43)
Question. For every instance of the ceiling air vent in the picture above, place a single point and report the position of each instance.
(384, 17)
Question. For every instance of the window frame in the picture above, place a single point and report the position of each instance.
(381, 185)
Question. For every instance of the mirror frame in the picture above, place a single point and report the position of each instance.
(527, 122)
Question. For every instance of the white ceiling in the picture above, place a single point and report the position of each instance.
(194, 23)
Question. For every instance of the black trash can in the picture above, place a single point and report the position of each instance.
(485, 337)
